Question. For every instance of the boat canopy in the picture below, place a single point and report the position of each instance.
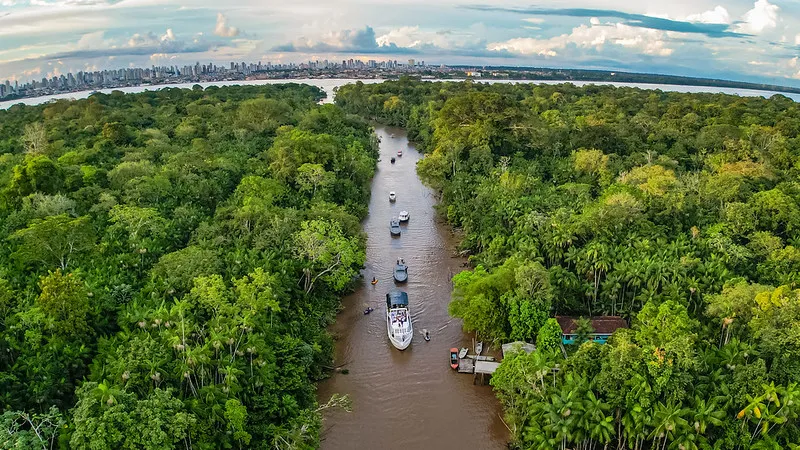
(396, 298)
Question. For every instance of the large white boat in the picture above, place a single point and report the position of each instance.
(398, 319)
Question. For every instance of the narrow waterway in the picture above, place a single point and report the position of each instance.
(408, 399)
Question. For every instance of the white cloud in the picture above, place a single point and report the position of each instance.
(797, 39)
(169, 36)
(223, 29)
(717, 15)
(647, 41)
(91, 41)
(763, 16)
(534, 19)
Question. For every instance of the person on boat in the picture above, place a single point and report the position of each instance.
(374, 280)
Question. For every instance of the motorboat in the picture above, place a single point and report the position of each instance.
(400, 271)
(403, 217)
(426, 335)
(454, 358)
(479, 348)
(463, 352)
(368, 310)
(392, 196)
(392, 160)
(394, 227)
(400, 153)
(398, 319)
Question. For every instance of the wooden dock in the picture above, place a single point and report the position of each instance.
(466, 365)
(481, 365)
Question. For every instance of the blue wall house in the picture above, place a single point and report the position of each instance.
(604, 327)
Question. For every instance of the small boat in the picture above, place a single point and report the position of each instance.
(399, 153)
(392, 196)
(478, 348)
(400, 271)
(374, 281)
(426, 335)
(392, 159)
(398, 319)
(368, 310)
(394, 227)
(403, 217)
(454, 358)
(463, 352)
(392, 135)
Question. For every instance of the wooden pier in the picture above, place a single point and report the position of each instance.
(477, 365)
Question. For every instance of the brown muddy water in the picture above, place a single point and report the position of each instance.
(412, 398)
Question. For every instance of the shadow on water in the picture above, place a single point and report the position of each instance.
(410, 398)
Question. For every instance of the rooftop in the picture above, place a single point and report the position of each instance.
(601, 324)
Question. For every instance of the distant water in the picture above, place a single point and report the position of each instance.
(329, 84)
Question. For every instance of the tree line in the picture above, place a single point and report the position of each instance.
(679, 212)
(169, 263)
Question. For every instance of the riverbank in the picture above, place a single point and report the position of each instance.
(330, 84)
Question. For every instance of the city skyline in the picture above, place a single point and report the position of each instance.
(753, 41)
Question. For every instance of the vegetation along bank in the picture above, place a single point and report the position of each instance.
(678, 212)
(169, 262)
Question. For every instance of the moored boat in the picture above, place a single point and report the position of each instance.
(400, 271)
(394, 227)
(454, 358)
(398, 319)
(463, 352)
(478, 348)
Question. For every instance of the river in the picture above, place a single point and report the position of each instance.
(408, 399)
(329, 84)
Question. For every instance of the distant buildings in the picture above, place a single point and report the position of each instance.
(135, 76)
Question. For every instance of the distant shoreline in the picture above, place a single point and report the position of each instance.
(488, 74)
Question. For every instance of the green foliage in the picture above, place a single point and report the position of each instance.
(548, 339)
(678, 212)
(149, 286)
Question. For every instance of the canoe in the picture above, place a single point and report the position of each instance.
(463, 352)
(478, 348)
(454, 358)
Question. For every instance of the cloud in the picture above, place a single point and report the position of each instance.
(716, 15)
(345, 41)
(223, 29)
(596, 35)
(763, 16)
(714, 30)
(797, 39)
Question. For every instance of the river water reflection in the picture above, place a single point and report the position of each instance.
(409, 399)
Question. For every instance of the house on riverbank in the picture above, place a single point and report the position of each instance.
(603, 327)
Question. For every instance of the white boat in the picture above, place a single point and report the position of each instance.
(463, 352)
(479, 348)
(403, 217)
(392, 196)
(400, 153)
(398, 319)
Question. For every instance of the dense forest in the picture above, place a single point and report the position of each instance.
(169, 262)
(678, 212)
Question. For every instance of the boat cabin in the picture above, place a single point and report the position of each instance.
(396, 299)
(603, 327)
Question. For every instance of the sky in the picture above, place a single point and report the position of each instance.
(756, 41)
